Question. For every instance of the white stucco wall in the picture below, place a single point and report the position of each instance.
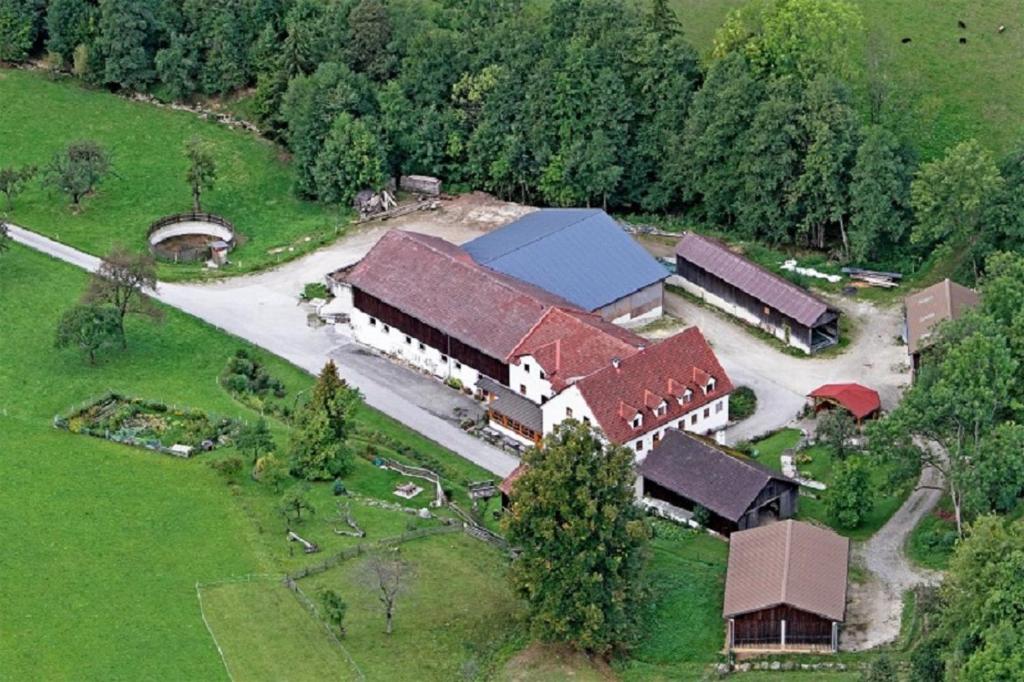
(375, 334)
(694, 420)
(740, 312)
(526, 373)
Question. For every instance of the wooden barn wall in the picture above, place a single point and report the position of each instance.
(723, 289)
(765, 626)
(635, 304)
(407, 324)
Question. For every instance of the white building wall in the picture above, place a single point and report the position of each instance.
(374, 333)
(694, 421)
(741, 312)
(526, 374)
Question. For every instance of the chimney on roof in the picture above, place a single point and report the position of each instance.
(616, 362)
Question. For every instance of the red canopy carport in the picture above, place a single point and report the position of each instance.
(860, 401)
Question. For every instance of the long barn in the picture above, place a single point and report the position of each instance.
(708, 269)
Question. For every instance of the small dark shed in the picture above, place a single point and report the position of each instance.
(785, 588)
(708, 269)
(685, 470)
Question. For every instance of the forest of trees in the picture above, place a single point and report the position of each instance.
(780, 135)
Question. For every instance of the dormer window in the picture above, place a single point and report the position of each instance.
(710, 387)
(686, 397)
(637, 421)
(661, 410)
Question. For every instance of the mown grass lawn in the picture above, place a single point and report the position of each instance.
(39, 116)
(932, 541)
(819, 468)
(105, 543)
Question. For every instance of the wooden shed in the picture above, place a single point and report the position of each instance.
(785, 589)
(708, 269)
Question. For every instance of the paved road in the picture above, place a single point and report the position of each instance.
(876, 607)
(261, 310)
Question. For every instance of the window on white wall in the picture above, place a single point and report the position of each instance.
(693, 419)
(543, 375)
(408, 340)
(719, 406)
(640, 445)
(444, 358)
(422, 347)
(458, 365)
(568, 413)
(373, 322)
(707, 412)
(526, 367)
(387, 329)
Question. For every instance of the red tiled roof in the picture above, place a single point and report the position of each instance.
(506, 485)
(439, 284)
(859, 400)
(569, 345)
(664, 369)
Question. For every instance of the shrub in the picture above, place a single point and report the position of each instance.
(315, 290)
(454, 382)
(742, 403)
(701, 515)
(229, 467)
(339, 488)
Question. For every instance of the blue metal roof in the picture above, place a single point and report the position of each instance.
(579, 254)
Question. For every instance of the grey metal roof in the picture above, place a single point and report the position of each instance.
(513, 405)
(581, 255)
(724, 483)
(777, 292)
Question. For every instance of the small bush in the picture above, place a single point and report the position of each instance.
(742, 403)
(339, 488)
(314, 290)
(454, 382)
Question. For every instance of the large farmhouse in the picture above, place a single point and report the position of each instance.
(707, 268)
(581, 255)
(533, 356)
(686, 471)
(785, 588)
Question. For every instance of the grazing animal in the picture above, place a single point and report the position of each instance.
(963, 41)
(961, 24)
(905, 41)
(1002, 28)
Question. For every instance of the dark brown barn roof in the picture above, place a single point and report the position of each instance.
(946, 300)
(716, 258)
(790, 563)
(693, 468)
(439, 284)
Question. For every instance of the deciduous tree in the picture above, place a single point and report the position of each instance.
(20, 21)
(835, 428)
(351, 160)
(68, 25)
(13, 180)
(879, 195)
(335, 609)
(255, 439)
(387, 574)
(89, 329)
(125, 280)
(129, 32)
(295, 501)
(202, 170)
(582, 538)
(77, 170)
(848, 498)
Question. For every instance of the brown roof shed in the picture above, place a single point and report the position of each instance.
(787, 563)
(946, 300)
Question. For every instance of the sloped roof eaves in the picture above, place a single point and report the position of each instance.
(438, 284)
(513, 405)
(724, 483)
(788, 562)
(583, 256)
(944, 300)
(716, 258)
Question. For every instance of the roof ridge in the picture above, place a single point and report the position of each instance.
(589, 214)
(785, 559)
(948, 286)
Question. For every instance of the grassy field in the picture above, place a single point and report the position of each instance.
(254, 187)
(106, 542)
(248, 620)
(951, 91)
(820, 469)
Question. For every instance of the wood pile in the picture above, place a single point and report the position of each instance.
(874, 277)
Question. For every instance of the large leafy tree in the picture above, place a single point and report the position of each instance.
(848, 498)
(88, 329)
(803, 38)
(68, 25)
(129, 32)
(351, 160)
(77, 170)
(202, 170)
(879, 195)
(950, 196)
(13, 180)
(124, 282)
(20, 21)
(319, 448)
(582, 539)
(369, 38)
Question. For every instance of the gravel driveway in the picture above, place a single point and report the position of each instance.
(875, 606)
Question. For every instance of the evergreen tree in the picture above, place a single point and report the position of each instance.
(68, 25)
(582, 540)
(319, 448)
(369, 37)
(129, 33)
(20, 22)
